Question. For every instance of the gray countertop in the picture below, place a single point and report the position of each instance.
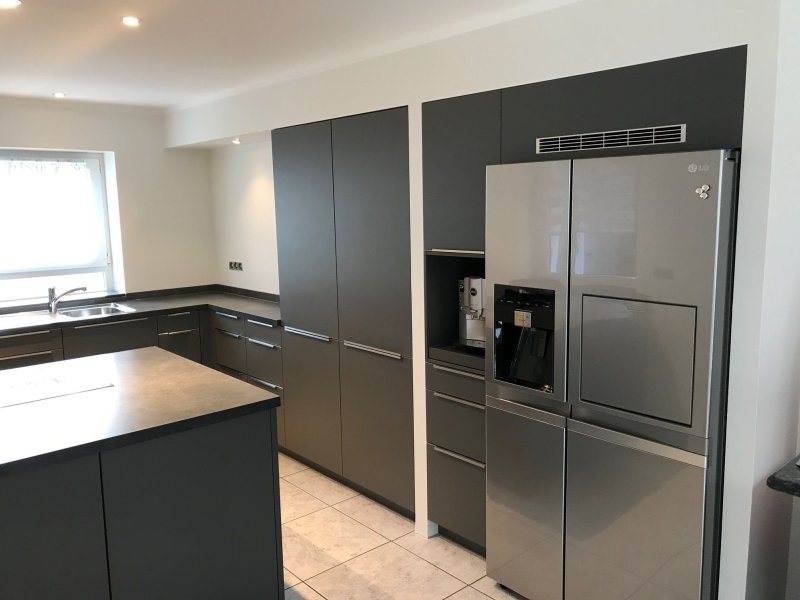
(787, 478)
(263, 309)
(129, 396)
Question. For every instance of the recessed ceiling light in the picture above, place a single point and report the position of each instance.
(237, 141)
(59, 95)
(10, 3)
(131, 21)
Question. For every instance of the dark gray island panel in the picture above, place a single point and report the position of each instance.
(193, 515)
(52, 537)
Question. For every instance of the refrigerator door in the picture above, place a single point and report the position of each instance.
(525, 499)
(651, 240)
(634, 518)
(527, 246)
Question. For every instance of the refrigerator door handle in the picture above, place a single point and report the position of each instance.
(635, 443)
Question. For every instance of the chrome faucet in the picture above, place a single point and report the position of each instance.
(53, 300)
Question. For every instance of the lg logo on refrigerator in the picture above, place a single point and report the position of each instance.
(694, 168)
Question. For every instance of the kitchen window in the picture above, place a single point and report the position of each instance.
(54, 224)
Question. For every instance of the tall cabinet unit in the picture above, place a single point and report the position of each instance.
(304, 209)
(342, 204)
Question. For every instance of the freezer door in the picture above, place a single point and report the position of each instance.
(650, 259)
(634, 518)
(525, 499)
(527, 245)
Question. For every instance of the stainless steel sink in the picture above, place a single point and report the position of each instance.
(98, 310)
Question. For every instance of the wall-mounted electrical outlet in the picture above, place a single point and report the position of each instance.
(235, 266)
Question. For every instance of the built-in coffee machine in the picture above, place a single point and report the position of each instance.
(472, 317)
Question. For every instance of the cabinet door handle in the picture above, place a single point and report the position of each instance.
(266, 383)
(457, 251)
(43, 353)
(469, 461)
(180, 314)
(459, 401)
(457, 372)
(181, 332)
(372, 350)
(19, 335)
(260, 343)
(229, 334)
(259, 323)
(226, 315)
(308, 334)
(114, 323)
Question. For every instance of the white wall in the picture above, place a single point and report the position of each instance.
(244, 216)
(589, 36)
(164, 194)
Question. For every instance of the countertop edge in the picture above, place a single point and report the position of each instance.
(786, 479)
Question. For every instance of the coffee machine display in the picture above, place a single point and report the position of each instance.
(523, 336)
(472, 318)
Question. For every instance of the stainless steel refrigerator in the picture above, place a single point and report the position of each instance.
(608, 294)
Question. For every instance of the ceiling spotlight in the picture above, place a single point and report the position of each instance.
(237, 141)
(10, 3)
(59, 95)
(130, 21)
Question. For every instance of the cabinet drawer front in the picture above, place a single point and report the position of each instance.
(457, 425)
(457, 495)
(178, 321)
(264, 361)
(458, 383)
(32, 358)
(27, 343)
(258, 329)
(100, 338)
(229, 350)
(227, 321)
(185, 343)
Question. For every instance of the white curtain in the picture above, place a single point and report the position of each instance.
(50, 216)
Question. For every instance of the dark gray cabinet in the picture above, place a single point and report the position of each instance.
(306, 235)
(378, 423)
(460, 136)
(179, 333)
(114, 336)
(311, 400)
(370, 173)
(53, 537)
(31, 348)
(163, 545)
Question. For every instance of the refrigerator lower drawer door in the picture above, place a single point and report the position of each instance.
(634, 519)
(524, 502)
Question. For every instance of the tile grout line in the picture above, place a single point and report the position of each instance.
(367, 526)
(306, 581)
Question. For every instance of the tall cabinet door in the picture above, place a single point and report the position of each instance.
(312, 412)
(370, 171)
(306, 235)
(378, 423)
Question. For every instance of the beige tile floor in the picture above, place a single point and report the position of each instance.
(340, 545)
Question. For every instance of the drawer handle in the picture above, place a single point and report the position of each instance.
(114, 323)
(372, 350)
(260, 343)
(181, 332)
(27, 355)
(260, 324)
(180, 314)
(226, 315)
(229, 334)
(457, 372)
(18, 335)
(267, 383)
(460, 401)
(469, 461)
(308, 334)
(457, 251)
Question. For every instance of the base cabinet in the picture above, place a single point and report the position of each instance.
(101, 338)
(312, 411)
(378, 424)
(52, 537)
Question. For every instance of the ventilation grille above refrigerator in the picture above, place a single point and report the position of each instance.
(644, 136)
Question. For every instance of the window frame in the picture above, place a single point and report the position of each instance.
(100, 185)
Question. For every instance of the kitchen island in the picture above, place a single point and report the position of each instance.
(138, 474)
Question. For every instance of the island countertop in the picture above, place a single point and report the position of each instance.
(71, 408)
(787, 478)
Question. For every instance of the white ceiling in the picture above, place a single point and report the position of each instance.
(190, 51)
